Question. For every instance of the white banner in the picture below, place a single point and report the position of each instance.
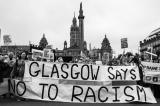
(74, 71)
(151, 72)
(51, 90)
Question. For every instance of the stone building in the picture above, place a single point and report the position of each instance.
(77, 43)
(14, 48)
(151, 41)
(104, 53)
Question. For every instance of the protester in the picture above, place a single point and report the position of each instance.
(29, 56)
(80, 60)
(60, 60)
(2, 67)
(20, 66)
(6, 58)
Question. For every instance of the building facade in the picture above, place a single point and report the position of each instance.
(152, 41)
(104, 53)
(14, 48)
(77, 43)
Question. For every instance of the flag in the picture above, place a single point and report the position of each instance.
(7, 40)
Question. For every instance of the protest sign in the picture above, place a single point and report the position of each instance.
(151, 72)
(74, 71)
(47, 53)
(36, 53)
(52, 56)
(51, 90)
(124, 43)
(105, 57)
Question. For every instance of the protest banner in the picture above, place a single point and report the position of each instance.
(105, 58)
(47, 53)
(51, 90)
(75, 71)
(36, 53)
(4, 86)
(124, 43)
(52, 56)
(151, 72)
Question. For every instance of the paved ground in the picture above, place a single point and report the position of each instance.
(14, 102)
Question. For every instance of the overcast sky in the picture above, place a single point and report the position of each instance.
(27, 20)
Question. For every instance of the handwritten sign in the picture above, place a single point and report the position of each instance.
(151, 72)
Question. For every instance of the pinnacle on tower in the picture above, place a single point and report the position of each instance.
(81, 12)
(74, 20)
(81, 6)
(43, 35)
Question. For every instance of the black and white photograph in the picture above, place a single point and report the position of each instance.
(79, 52)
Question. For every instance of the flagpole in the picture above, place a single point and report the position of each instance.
(151, 52)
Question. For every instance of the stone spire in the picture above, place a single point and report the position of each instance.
(74, 20)
(81, 12)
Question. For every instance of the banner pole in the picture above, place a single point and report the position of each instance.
(151, 55)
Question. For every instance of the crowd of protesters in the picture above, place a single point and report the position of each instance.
(13, 66)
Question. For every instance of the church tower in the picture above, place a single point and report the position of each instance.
(74, 33)
(81, 27)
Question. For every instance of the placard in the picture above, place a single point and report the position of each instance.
(37, 53)
(151, 72)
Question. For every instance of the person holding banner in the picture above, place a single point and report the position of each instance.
(19, 67)
(137, 61)
(2, 67)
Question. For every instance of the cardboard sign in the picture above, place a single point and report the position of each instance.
(105, 58)
(151, 72)
(75, 71)
(52, 56)
(37, 53)
(47, 53)
(51, 90)
(124, 43)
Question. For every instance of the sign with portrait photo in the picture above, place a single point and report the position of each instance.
(47, 53)
(36, 53)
